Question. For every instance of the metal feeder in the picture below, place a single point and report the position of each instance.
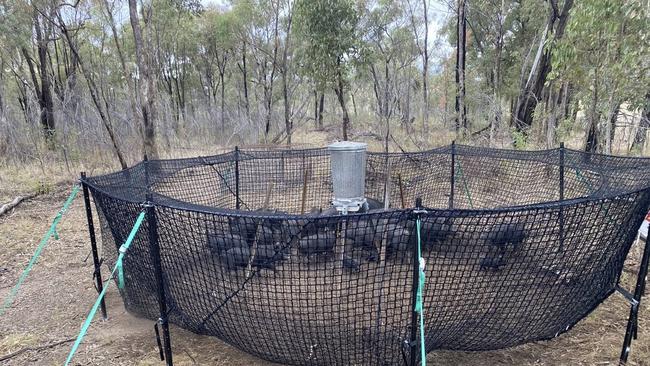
(348, 161)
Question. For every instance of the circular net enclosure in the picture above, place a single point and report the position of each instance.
(519, 246)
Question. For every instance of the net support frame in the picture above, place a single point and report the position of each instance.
(414, 292)
(635, 302)
(97, 274)
(452, 177)
(237, 201)
(154, 248)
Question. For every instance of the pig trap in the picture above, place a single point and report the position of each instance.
(314, 257)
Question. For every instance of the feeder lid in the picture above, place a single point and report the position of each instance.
(347, 146)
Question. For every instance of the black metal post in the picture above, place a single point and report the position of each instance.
(97, 275)
(154, 249)
(237, 204)
(146, 172)
(453, 174)
(561, 214)
(414, 291)
(632, 321)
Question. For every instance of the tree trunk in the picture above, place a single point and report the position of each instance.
(566, 100)
(321, 108)
(147, 86)
(288, 123)
(611, 124)
(125, 72)
(592, 142)
(644, 125)
(268, 94)
(531, 92)
(94, 93)
(552, 117)
(425, 68)
(316, 108)
(222, 107)
(244, 72)
(45, 101)
(461, 122)
(341, 98)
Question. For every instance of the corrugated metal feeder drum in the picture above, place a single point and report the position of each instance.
(348, 161)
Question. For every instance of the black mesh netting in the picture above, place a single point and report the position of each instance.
(286, 279)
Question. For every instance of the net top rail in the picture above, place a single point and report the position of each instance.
(485, 179)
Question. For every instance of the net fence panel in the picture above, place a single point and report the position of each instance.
(287, 279)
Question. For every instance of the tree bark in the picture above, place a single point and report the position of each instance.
(244, 72)
(461, 27)
(268, 90)
(531, 93)
(94, 93)
(611, 124)
(425, 68)
(288, 123)
(551, 107)
(321, 108)
(45, 101)
(592, 142)
(147, 85)
(341, 98)
(125, 72)
(644, 125)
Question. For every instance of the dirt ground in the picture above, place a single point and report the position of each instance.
(58, 293)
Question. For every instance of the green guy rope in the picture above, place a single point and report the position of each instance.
(467, 193)
(93, 310)
(51, 232)
(418, 299)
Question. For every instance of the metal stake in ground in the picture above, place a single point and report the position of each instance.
(154, 248)
(635, 302)
(414, 292)
(97, 275)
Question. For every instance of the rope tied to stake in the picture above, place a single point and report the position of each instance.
(419, 301)
(93, 310)
(43, 243)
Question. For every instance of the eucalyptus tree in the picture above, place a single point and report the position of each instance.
(605, 54)
(390, 55)
(328, 45)
(146, 80)
(216, 49)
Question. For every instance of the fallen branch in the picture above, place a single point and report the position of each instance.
(9, 206)
(39, 348)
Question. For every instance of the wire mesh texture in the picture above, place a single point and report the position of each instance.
(251, 251)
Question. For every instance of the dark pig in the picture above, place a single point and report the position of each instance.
(322, 242)
(236, 257)
(220, 243)
(503, 235)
